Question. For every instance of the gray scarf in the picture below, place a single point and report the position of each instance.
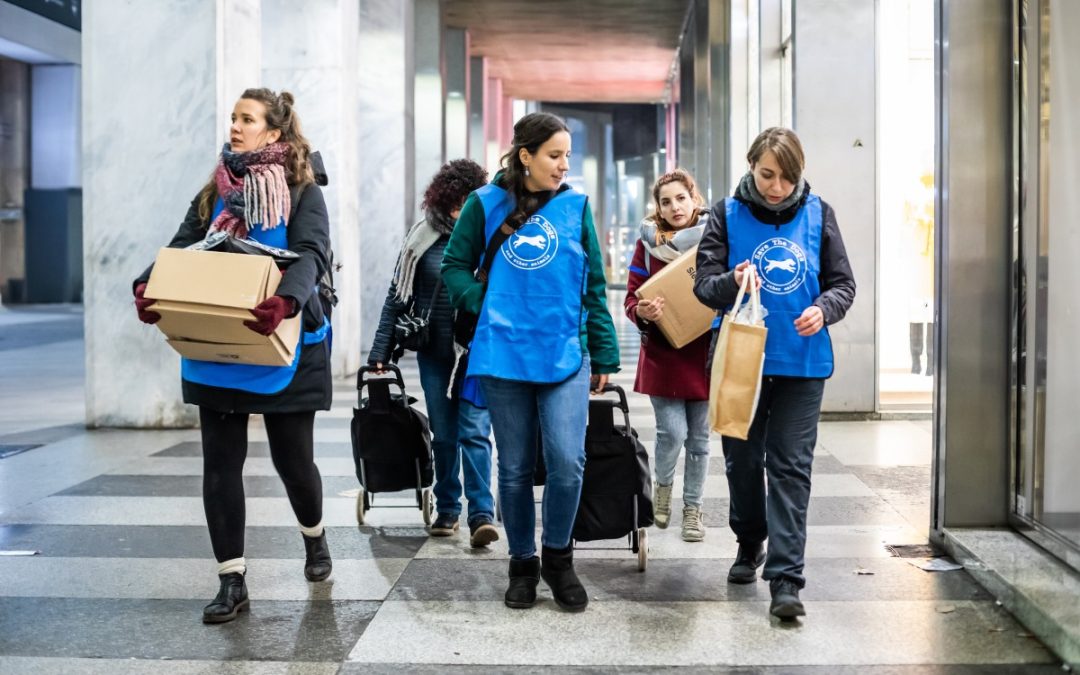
(678, 243)
(748, 191)
(419, 239)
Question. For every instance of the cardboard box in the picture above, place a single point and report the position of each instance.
(684, 319)
(204, 298)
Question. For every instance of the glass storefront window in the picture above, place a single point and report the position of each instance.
(1047, 318)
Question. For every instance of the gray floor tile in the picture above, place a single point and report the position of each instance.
(191, 486)
(191, 579)
(28, 665)
(258, 448)
(668, 580)
(147, 541)
(692, 633)
(172, 629)
(822, 511)
(932, 669)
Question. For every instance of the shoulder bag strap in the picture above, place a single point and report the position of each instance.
(497, 240)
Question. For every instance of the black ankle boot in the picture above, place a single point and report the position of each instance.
(557, 570)
(318, 564)
(524, 576)
(231, 599)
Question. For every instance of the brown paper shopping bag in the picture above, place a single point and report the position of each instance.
(738, 360)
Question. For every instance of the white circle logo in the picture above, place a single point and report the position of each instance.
(533, 245)
(781, 264)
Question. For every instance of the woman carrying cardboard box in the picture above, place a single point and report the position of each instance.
(675, 379)
(790, 236)
(264, 188)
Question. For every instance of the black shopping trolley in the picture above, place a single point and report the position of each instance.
(616, 494)
(391, 442)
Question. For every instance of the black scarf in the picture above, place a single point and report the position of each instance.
(443, 223)
(771, 214)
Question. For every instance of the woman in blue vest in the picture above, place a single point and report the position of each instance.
(543, 332)
(264, 188)
(790, 237)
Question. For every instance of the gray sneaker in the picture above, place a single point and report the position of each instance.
(692, 527)
(662, 506)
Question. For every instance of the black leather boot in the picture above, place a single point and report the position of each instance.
(747, 560)
(318, 564)
(557, 570)
(231, 599)
(524, 576)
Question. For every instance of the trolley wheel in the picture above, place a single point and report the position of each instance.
(642, 549)
(363, 503)
(427, 505)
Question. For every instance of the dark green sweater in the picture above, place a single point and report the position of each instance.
(462, 259)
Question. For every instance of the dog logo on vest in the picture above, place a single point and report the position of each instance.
(533, 245)
(782, 265)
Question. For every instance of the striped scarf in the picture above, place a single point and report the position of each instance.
(254, 188)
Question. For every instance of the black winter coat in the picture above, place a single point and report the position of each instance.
(714, 284)
(441, 319)
(311, 388)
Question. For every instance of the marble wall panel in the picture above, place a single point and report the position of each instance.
(310, 49)
(385, 162)
(150, 133)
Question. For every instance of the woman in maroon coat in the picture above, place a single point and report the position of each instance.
(676, 380)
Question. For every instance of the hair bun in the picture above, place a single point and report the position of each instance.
(287, 98)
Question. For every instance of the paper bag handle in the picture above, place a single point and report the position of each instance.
(749, 279)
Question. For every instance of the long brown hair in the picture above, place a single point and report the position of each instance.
(785, 146)
(280, 116)
(530, 132)
(663, 229)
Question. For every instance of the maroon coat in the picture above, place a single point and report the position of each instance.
(662, 369)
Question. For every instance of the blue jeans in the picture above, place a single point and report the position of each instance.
(460, 444)
(680, 422)
(780, 447)
(560, 412)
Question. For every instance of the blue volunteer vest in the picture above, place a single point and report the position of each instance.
(529, 327)
(788, 260)
(242, 376)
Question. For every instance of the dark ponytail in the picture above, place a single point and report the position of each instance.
(530, 132)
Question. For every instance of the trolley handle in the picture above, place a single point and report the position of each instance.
(362, 381)
(623, 404)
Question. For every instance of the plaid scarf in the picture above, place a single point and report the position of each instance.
(253, 185)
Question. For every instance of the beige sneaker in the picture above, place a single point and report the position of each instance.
(693, 529)
(662, 506)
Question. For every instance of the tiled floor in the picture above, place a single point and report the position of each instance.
(124, 566)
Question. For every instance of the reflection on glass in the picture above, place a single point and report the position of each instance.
(1057, 386)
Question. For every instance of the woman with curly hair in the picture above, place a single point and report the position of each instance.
(460, 429)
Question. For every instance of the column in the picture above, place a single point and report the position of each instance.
(428, 118)
(386, 184)
(477, 85)
(143, 162)
(311, 49)
(838, 39)
(456, 106)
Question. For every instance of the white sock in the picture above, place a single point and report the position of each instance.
(312, 532)
(230, 566)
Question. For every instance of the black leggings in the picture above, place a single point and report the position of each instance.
(224, 440)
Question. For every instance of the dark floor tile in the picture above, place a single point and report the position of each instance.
(822, 511)
(257, 449)
(832, 579)
(172, 629)
(39, 333)
(115, 541)
(191, 486)
(932, 669)
(822, 464)
(907, 480)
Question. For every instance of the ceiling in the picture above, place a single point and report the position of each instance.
(612, 51)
